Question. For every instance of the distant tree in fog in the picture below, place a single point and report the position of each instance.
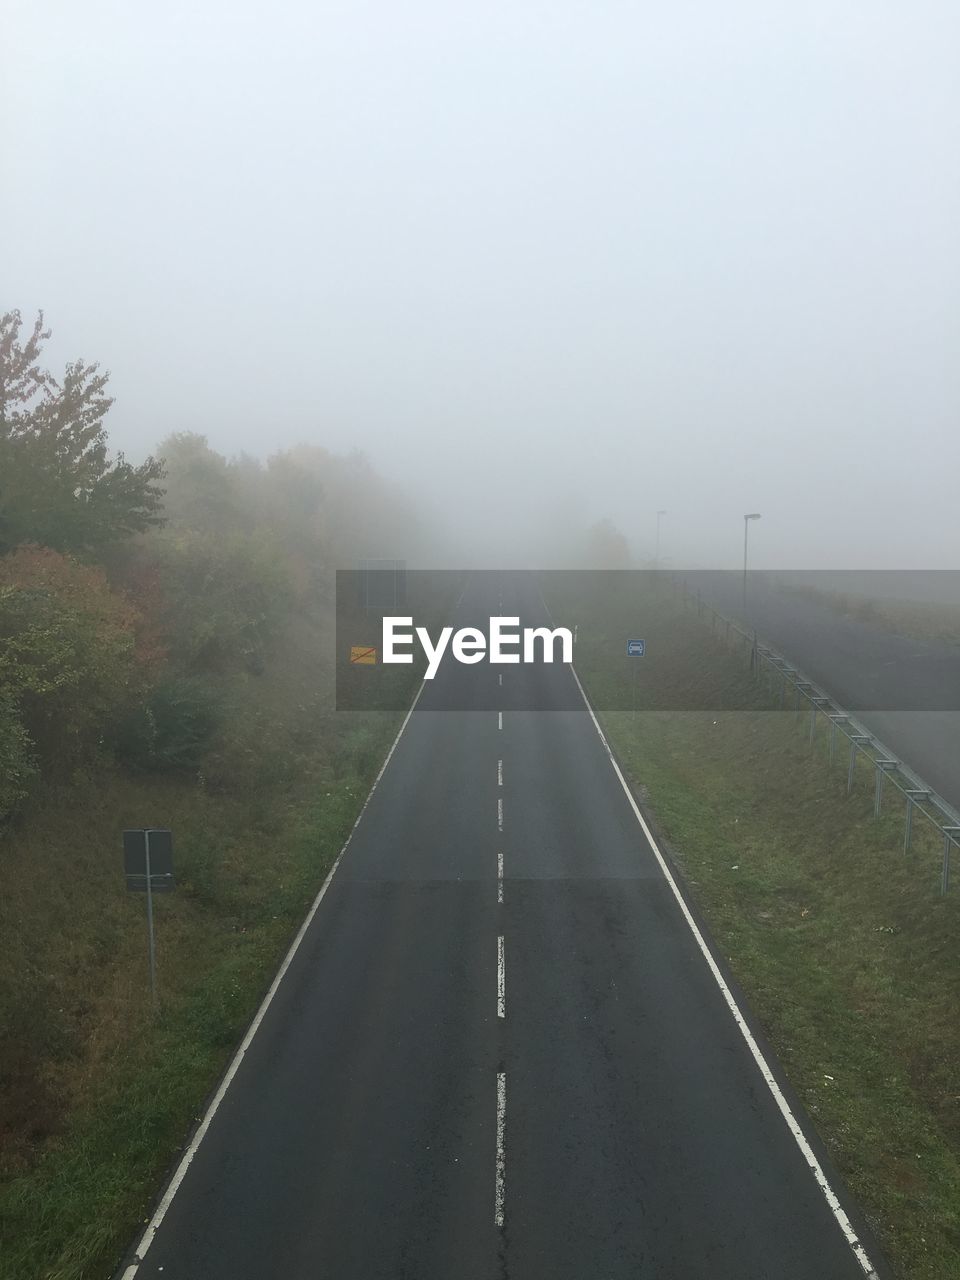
(58, 485)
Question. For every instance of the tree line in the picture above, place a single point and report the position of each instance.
(130, 593)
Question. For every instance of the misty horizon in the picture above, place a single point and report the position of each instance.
(539, 265)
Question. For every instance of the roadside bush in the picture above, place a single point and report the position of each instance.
(170, 731)
(68, 659)
(227, 595)
(17, 767)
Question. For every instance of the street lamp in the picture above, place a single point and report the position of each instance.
(750, 515)
(656, 559)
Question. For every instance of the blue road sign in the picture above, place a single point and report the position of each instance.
(635, 648)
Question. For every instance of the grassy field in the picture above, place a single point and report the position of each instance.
(99, 1093)
(848, 955)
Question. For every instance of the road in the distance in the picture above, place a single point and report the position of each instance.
(499, 1052)
(905, 690)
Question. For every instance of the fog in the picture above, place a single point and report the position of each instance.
(541, 262)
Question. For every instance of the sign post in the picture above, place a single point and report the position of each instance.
(148, 866)
(635, 649)
(151, 940)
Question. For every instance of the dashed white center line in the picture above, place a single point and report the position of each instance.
(500, 876)
(499, 719)
(500, 814)
(501, 981)
(501, 1147)
(500, 678)
(499, 773)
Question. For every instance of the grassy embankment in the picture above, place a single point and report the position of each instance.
(102, 1092)
(848, 955)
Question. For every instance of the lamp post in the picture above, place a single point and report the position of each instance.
(750, 515)
(656, 559)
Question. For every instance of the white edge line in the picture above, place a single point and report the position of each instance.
(501, 1147)
(187, 1159)
(799, 1137)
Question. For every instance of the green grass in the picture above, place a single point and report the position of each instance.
(846, 952)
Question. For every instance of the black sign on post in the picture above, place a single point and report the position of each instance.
(135, 852)
(148, 866)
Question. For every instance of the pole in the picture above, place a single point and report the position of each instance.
(151, 943)
(945, 871)
(949, 836)
(746, 526)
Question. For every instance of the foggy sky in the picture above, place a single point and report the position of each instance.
(596, 257)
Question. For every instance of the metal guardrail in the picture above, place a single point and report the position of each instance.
(784, 675)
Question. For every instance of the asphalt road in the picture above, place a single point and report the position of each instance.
(499, 1051)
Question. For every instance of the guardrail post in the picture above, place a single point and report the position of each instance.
(882, 767)
(836, 719)
(855, 742)
(913, 795)
(949, 836)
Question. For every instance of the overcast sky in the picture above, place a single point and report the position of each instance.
(614, 256)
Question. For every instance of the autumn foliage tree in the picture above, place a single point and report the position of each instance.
(138, 652)
(69, 659)
(59, 486)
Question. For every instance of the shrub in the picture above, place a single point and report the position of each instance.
(17, 766)
(226, 595)
(171, 730)
(68, 659)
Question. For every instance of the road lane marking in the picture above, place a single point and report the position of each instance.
(180, 1172)
(839, 1214)
(501, 981)
(501, 1147)
(500, 876)
(500, 814)
(500, 678)
(499, 773)
(499, 719)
